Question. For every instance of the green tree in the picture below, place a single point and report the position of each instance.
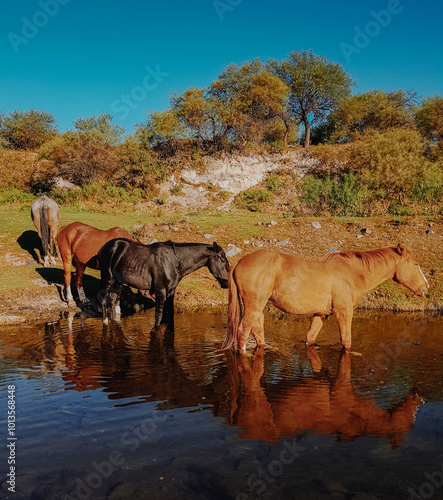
(27, 129)
(192, 109)
(429, 121)
(375, 110)
(160, 127)
(250, 98)
(316, 85)
(101, 128)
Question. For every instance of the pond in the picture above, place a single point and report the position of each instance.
(118, 412)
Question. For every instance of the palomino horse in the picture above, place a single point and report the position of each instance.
(78, 244)
(157, 268)
(45, 215)
(319, 286)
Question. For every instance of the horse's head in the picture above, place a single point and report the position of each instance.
(218, 264)
(408, 272)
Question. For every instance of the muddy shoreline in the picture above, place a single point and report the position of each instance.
(40, 300)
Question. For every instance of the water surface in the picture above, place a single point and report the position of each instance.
(119, 412)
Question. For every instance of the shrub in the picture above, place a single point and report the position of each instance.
(389, 160)
(314, 189)
(341, 196)
(345, 195)
(12, 194)
(252, 198)
(273, 183)
(81, 158)
(428, 187)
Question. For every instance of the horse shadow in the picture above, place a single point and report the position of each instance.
(131, 300)
(53, 276)
(31, 243)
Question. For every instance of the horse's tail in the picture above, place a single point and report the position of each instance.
(233, 312)
(44, 229)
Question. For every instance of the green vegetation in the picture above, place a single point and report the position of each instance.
(378, 151)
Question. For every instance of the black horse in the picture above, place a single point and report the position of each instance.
(157, 268)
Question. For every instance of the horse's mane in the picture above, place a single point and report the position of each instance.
(368, 258)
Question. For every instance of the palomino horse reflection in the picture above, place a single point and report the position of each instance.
(45, 215)
(320, 286)
(78, 244)
(319, 405)
(157, 268)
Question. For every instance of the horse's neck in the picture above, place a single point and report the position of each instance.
(190, 264)
(379, 273)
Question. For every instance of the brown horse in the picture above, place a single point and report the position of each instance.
(319, 286)
(79, 244)
(45, 215)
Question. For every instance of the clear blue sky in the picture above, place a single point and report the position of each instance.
(77, 58)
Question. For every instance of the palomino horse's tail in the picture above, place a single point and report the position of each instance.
(44, 229)
(233, 312)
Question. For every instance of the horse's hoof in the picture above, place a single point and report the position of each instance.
(105, 321)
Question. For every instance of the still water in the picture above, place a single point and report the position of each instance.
(122, 413)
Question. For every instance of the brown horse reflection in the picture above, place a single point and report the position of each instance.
(137, 367)
(314, 405)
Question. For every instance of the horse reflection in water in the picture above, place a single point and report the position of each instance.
(232, 388)
(316, 405)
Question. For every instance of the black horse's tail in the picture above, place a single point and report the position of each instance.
(44, 229)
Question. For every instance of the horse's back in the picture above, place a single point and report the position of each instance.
(299, 285)
(84, 241)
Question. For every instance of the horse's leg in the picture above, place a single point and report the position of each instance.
(316, 324)
(115, 293)
(344, 318)
(104, 294)
(79, 270)
(251, 322)
(160, 297)
(67, 267)
(52, 244)
(168, 313)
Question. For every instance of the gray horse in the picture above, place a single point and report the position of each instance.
(45, 215)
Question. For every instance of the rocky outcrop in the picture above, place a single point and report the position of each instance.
(236, 173)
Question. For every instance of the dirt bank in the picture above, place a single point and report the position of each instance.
(40, 301)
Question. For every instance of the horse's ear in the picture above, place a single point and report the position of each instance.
(216, 247)
(400, 249)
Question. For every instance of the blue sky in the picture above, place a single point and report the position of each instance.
(77, 58)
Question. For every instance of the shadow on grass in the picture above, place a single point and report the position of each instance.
(31, 243)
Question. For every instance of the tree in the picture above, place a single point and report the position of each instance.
(316, 86)
(27, 129)
(101, 128)
(429, 121)
(161, 126)
(192, 109)
(250, 97)
(376, 110)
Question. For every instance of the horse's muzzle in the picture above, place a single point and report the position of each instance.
(223, 283)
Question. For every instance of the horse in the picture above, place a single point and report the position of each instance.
(78, 244)
(318, 286)
(45, 215)
(157, 268)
